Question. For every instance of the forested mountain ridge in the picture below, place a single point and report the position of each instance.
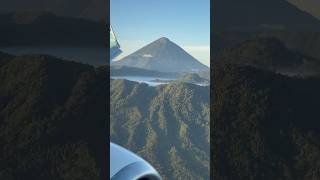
(168, 125)
(272, 54)
(264, 125)
(304, 42)
(52, 119)
(238, 21)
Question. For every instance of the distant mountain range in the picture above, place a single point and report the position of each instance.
(192, 78)
(168, 125)
(162, 55)
(239, 22)
(270, 53)
(252, 15)
(90, 9)
(242, 30)
(44, 28)
(117, 70)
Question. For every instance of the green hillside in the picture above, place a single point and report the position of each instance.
(264, 126)
(52, 119)
(167, 125)
(272, 54)
(193, 78)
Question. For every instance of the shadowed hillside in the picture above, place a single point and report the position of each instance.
(33, 28)
(89, 9)
(52, 119)
(167, 125)
(306, 43)
(237, 21)
(264, 125)
(266, 15)
(272, 54)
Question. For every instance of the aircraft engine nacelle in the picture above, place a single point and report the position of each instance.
(125, 165)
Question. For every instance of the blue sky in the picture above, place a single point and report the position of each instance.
(185, 22)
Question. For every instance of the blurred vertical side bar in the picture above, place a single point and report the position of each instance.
(107, 125)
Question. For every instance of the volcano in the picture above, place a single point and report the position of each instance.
(162, 55)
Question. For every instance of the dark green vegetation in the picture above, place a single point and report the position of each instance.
(43, 28)
(167, 125)
(52, 119)
(272, 54)
(264, 125)
(303, 42)
(193, 78)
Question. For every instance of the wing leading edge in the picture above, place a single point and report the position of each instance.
(114, 45)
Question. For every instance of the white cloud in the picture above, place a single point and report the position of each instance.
(147, 56)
